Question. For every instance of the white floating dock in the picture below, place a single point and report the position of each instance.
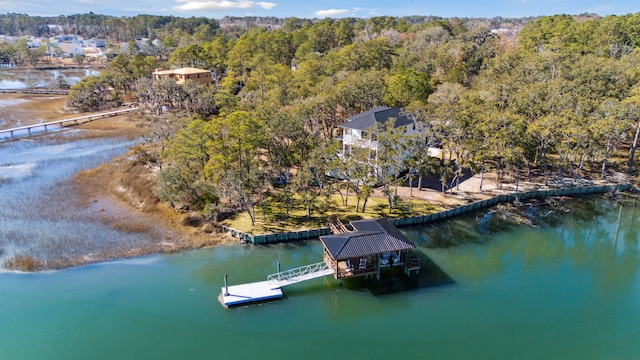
(249, 293)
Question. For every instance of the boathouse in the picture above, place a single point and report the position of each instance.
(374, 244)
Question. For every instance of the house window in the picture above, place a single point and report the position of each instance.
(347, 131)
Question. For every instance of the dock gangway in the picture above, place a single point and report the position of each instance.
(299, 274)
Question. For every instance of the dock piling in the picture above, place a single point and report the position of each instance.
(226, 286)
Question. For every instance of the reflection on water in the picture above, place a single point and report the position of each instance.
(31, 78)
(582, 238)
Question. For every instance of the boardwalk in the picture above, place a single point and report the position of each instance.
(35, 91)
(28, 129)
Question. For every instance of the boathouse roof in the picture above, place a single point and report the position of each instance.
(372, 237)
(379, 114)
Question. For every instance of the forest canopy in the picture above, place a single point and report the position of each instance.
(549, 97)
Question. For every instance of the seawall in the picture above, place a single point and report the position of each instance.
(437, 216)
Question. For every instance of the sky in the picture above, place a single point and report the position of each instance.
(218, 9)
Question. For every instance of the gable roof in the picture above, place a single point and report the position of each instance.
(379, 114)
(373, 237)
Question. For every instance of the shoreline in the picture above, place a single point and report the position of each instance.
(121, 189)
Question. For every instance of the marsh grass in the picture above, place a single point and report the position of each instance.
(43, 223)
(24, 109)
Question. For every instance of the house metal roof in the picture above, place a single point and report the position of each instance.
(372, 237)
(379, 114)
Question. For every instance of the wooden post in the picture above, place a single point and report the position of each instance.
(226, 286)
(378, 267)
(278, 272)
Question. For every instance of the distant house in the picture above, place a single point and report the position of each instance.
(94, 43)
(361, 130)
(182, 75)
(70, 48)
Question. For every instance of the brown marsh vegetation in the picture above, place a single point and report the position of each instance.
(105, 212)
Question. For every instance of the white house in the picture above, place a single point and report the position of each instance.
(70, 45)
(94, 43)
(361, 130)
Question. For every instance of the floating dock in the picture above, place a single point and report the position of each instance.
(250, 293)
(270, 289)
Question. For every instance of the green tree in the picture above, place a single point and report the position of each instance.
(609, 129)
(389, 160)
(235, 164)
(407, 86)
(188, 56)
(91, 94)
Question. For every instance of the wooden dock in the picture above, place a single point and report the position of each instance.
(37, 91)
(249, 293)
(13, 132)
(336, 226)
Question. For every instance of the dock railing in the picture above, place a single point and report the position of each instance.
(66, 122)
(299, 274)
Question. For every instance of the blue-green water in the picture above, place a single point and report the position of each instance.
(567, 289)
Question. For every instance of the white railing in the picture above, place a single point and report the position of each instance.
(70, 121)
(359, 142)
(299, 274)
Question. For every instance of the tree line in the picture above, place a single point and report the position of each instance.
(565, 98)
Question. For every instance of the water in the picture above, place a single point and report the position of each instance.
(31, 78)
(564, 289)
(38, 214)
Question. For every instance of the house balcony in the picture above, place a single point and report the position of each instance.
(350, 140)
(369, 264)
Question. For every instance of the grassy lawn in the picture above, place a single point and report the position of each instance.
(275, 220)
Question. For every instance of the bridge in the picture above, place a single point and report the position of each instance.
(42, 91)
(271, 289)
(27, 129)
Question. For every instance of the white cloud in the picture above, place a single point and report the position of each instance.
(331, 12)
(217, 5)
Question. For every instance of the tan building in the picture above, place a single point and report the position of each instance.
(182, 75)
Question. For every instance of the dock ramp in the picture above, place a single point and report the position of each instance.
(299, 274)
